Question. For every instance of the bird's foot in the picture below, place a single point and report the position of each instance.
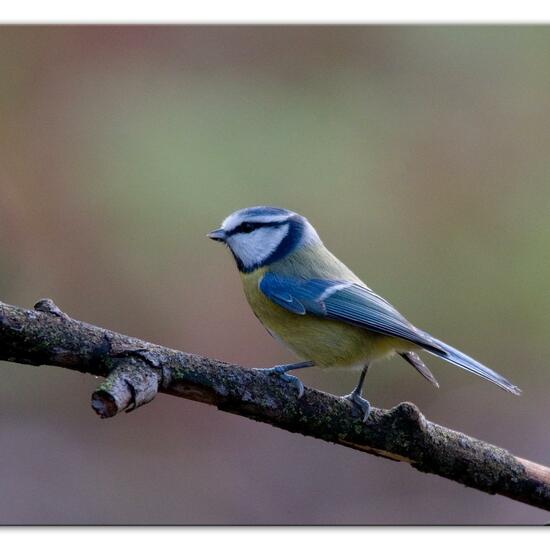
(360, 403)
(280, 371)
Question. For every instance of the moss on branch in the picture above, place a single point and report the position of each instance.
(136, 370)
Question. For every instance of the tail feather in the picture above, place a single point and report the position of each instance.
(418, 364)
(467, 363)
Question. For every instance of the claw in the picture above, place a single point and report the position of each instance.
(360, 403)
(280, 372)
(295, 381)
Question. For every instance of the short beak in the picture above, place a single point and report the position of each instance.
(217, 235)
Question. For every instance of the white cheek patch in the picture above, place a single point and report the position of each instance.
(254, 248)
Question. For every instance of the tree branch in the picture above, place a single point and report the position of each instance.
(136, 370)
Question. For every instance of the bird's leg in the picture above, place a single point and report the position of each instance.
(356, 395)
(281, 371)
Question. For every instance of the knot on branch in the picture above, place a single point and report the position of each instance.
(47, 305)
(407, 417)
(128, 386)
(402, 431)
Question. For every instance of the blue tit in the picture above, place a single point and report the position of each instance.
(309, 300)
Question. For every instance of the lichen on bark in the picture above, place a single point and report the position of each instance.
(136, 370)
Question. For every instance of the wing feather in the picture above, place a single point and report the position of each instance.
(357, 305)
(342, 301)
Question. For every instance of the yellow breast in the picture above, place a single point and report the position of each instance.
(328, 343)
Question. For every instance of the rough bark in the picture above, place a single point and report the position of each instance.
(136, 370)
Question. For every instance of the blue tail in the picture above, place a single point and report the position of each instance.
(471, 365)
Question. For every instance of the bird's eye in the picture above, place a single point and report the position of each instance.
(247, 227)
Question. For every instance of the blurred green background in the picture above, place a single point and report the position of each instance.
(420, 154)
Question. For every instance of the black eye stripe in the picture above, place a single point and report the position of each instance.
(248, 227)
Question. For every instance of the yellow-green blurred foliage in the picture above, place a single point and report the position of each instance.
(420, 154)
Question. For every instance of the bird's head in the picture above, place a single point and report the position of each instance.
(260, 235)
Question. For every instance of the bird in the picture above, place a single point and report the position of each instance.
(315, 305)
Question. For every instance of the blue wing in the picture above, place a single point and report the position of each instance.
(343, 301)
(357, 305)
